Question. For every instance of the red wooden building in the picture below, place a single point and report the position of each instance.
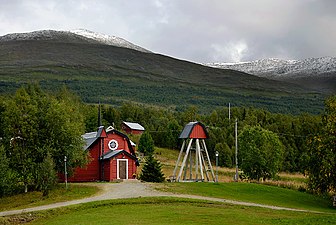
(196, 165)
(112, 157)
(132, 128)
(194, 130)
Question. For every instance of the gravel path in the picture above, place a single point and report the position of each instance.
(135, 189)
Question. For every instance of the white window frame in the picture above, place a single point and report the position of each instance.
(116, 142)
(118, 160)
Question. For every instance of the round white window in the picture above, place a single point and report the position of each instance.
(113, 145)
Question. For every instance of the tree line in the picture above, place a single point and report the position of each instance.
(302, 141)
(165, 125)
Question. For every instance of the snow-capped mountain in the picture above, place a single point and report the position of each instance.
(108, 40)
(35, 35)
(73, 35)
(284, 69)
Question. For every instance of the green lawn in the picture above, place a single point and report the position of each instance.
(256, 193)
(172, 211)
(59, 194)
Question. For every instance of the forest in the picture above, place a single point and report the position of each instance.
(165, 125)
(38, 128)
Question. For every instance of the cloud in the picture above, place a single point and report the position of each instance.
(196, 30)
(233, 51)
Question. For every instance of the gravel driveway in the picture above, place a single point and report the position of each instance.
(135, 189)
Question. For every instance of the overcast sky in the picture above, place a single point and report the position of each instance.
(194, 30)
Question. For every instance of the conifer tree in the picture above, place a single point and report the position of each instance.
(151, 172)
(146, 144)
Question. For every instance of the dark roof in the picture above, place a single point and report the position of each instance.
(188, 129)
(101, 132)
(89, 139)
(112, 154)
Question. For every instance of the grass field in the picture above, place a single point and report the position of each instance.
(172, 211)
(256, 193)
(168, 157)
(169, 210)
(59, 194)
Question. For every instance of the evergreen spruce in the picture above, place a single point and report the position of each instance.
(151, 172)
(146, 144)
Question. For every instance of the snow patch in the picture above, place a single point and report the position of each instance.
(73, 34)
(278, 68)
(107, 39)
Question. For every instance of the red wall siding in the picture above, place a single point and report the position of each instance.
(107, 170)
(113, 169)
(131, 166)
(136, 132)
(122, 142)
(198, 132)
(126, 129)
(129, 130)
(91, 171)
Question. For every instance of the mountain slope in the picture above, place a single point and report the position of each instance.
(73, 36)
(115, 75)
(108, 40)
(315, 73)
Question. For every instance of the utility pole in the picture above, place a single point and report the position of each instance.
(99, 115)
(65, 172)
(217, 154)
(236, 152)
(229, 112)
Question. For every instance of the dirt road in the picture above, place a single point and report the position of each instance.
(135, 189)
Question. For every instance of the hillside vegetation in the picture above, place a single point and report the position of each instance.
(114, 75)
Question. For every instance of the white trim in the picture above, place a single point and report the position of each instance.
(116, 145)
(118, 160)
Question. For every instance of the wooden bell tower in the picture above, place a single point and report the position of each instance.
(196, 165)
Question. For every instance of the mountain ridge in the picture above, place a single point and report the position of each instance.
(315, 73)
(115, 75)
(109, 40)
(73, 35)
(280, 67)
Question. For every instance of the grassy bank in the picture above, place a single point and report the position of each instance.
(256, 193)
(171, 211)
(59, 194)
